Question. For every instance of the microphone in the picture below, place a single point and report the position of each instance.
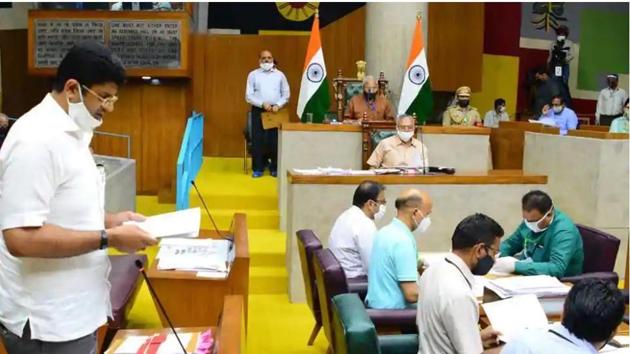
(144, 275)
(425, 168)
(214, 224)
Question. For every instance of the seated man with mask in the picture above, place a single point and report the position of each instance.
(393, 274)
(402, 149)
(353, 233)
(462, 113)
(370, 105)
(448, 314)
(559, 116)
(546, 242)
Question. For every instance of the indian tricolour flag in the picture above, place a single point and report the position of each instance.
(416, 96)
(314, 96)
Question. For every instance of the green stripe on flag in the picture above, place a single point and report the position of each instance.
(422, 105)
(318, 104)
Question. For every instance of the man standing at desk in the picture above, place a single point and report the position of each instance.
(54, 289)
(402, 149)
(370, 104)
(462, 113)
(546, 242)
(610, 101)
(267, 91)
(562, 117)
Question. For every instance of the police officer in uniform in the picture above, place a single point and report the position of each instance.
(461, 113)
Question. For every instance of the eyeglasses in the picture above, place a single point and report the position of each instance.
(107, 103)
(494, 250)
(406, 128)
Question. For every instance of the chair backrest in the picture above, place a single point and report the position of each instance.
(600, 249)
(353, 329)
(331, 280)
(372, 134)
(346, 88)
(308, 243)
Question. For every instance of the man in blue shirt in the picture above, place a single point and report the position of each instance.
(393, 271)
(592, 312)
(559, 115)
(267, 91)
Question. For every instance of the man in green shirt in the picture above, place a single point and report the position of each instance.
(546, 242)
(620, 125)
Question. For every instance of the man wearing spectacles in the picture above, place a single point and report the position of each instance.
(546, 242)
(55, 231)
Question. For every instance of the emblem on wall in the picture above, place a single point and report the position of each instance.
(297, 11)
(547, 16)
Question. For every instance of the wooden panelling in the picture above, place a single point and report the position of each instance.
(598, 134)
(455, 48)
(20, 92)
(229, 59)
(468, 177)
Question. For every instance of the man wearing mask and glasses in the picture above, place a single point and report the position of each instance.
(352, 234)
(448, 314)
(55, 231)
(546, 242)
(371, 105)
(393, 271)
(462, 113)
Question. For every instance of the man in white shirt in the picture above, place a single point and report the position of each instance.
(54, 288)
(267, 91)
(498, 114)
(448, 314)
(353, 232)
(592, 312)
(610, 101)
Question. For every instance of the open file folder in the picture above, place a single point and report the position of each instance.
(210, 257)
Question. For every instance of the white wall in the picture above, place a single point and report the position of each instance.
(16, 17)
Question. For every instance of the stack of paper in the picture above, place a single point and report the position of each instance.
(513, 315)
(181, 223)
(539, 285)
(132, 344)
(202, 255)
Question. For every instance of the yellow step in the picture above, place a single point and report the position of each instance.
(268, 280)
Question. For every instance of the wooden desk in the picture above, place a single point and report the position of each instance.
(599, 128)
(426, 129)
(508, 140)
(315, 202)
(229, 336)
(191, 301)
(598, 134)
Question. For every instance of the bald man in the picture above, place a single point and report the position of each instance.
(371, 104)
(392, 275)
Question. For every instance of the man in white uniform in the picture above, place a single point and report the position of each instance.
(352, 234)
(54, 289)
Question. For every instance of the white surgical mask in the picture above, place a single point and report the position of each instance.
(405, 136)
(533, 225)
(502, 109)
(557, 109)
(561, 38)
(82, 116)
(423, 225)
(266, 66)
(380, 213)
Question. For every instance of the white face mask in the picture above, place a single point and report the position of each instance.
(424, 224)
(266, 66)
(502, 109)
(561, 38)
(557, 109)
(405, 136)
(533, 225)
(380, 213)
(82, 116)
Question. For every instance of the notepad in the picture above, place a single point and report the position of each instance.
(132, 344)
(181, 223)
(511, 316)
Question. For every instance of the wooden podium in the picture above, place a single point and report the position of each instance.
(191, 301)
(228, 335)
(507, 142)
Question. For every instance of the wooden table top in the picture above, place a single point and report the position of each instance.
(355, 128)
(124, 333)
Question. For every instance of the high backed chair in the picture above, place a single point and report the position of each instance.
(346, 88)
(331, 281)
(355, 332)
(308, 243)
(600, 254)
(247, 140)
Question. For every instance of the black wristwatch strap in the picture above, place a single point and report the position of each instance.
(104, 240)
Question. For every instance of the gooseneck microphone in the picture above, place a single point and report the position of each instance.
(157, 300)
(425, 168)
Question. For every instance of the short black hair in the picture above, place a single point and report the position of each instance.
(562, 29)
(626, 103)
(367, 190)
(499, 102)
(558, 97)
(474, 229)
(90, 63)
(541, 70)
(538, 200)
(593, 309)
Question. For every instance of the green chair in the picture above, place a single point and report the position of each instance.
(355, 333)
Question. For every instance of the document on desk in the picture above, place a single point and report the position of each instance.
(202, 255)
(181, 223)
(510, 316)
(539, 285)
(132, 344)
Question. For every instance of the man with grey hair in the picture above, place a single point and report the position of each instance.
(372, 105)
(402, 149)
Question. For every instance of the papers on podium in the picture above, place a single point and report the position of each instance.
(538, 285)
(211, 258)
(181, 223)
(510, 316)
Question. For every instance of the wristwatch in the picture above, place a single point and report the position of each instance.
(104, 240)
